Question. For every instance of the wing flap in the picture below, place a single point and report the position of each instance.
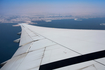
(22, 50)
(26, 61)
(32, 60)
(28, 36)
(25, 38)
(13, 63)
(56, 53)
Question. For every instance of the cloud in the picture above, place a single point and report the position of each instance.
(29, 22)
(76, 19)
(47, 20)
(102, 24)
(24, 23)
(30, 19)
(15, 25)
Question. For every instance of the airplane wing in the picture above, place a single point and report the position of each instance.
(43, 48)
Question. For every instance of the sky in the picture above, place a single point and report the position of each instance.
(74, 7)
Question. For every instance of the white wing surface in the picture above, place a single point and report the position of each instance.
(43, 48)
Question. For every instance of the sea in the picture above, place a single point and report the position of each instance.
(8, 33)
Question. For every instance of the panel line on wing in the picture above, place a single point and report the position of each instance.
(21, 62)
(41, 48)
(99, 62)
(88, 66)
(42, 56)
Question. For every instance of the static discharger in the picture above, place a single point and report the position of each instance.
(19, 33)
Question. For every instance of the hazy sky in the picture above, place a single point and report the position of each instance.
(75, 7)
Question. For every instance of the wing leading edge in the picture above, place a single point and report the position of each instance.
(44, 48)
